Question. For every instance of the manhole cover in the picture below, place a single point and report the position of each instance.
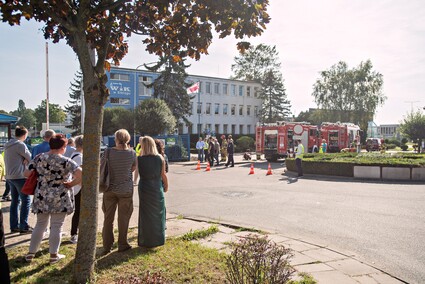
(236, 194)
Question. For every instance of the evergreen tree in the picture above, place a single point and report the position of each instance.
(171, 85)
(26, 115)
(261, 64)
(74, 106)
(154, 117)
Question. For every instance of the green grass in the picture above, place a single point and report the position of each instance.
(178, 261)
(199, 234)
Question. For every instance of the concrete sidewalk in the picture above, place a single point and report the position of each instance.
(325, 265)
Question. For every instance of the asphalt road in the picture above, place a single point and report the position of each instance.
(382, 224)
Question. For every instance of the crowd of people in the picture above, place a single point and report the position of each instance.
(58, 163)
(210, 150)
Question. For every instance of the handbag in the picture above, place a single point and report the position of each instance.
(104, 172)
(30, 184)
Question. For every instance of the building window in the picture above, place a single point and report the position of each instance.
(199, 128)
(199, 108)
(256, 90)
(233, 90)
(216, 88)
(217, 109)
(248, 91)
(143, 90)
(121, 77)
(248, 129)
(225, 128)
(217, 129)
(225, 109)
(248, 110)
(233, 110)
(240, 109)
(241, 91)
(208, 128)
(200, 87)
(208, 87)
(225, 89)
(256, 111)
(233, 128)
(208, 108)
(120, 101)
(241, 129)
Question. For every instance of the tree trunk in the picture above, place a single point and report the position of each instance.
(86, 248)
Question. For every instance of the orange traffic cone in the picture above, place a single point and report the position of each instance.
(269, 171)
(208, 167)
(198, 167)
(251, 171)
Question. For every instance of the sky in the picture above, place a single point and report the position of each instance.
(310, 37)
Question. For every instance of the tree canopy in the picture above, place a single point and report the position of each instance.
(413, 126)
(154, 117)
(102, 26)
(261, 64)
(56, 113)
(349, 95)
(117, 118)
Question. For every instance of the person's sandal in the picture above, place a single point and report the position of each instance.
(29, 257)
(56, 258)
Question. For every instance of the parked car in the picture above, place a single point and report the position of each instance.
(373, 144)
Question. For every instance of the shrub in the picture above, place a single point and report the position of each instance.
(244, 143)
(390, 146)
(393, 141)
(404, 147)
(256, 259)
(404, 140)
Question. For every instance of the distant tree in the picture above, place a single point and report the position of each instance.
(117, 118)
(3, 111)
(56, 114)
(74, 106)
(261, 64)
(350, 95)
(26, 115)
(154, 117)
(275, 105)
(103, 27)
(413, 126)
(171, 85)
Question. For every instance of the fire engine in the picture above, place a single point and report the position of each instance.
(339, 135)
(277, 140)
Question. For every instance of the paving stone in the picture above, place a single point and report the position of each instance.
(352, 267)
(222, 238)
(225, 229)
(180, 227)
(278, 239)
(245, 234)
(211, 244)
(332, 277)
(383, 278)
(365, 279)
(300, 258)
(298, 246)
(315, 267)
(324, 255)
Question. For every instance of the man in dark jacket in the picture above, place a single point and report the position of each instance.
(230, 151)
(211, 151)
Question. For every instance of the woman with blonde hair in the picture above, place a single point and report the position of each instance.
(122, 163)
(152, 185)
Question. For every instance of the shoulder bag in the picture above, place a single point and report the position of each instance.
(104, 172)
(30, 184)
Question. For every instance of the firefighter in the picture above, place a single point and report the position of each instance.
(299, 156)
(223, 148)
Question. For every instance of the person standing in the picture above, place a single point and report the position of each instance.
(298, 157)
(16, 157)
(206, 146)
(153, 183)
(6, 193)
(44, 146)
(77, 157)
(223, 148)
(324, 146)
(122, 163)
(70, 148)
(230, 152)
(200, 147)
(211, 151)
(53, 199)
(138, 150)
(216, 151)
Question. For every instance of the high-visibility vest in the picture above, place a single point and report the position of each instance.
(300, 151)
(138, 149)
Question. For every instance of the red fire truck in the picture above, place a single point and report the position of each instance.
(339, 135)
(276, 140)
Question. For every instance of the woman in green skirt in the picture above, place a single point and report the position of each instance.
(152, 185)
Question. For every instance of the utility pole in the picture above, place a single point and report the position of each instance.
(411, 104)
(47, 86)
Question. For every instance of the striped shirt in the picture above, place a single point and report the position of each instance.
(120, 163)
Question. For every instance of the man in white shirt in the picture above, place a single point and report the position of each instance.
(299, 157)
(200, 147)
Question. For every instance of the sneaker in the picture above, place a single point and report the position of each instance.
(74, 239)
(56, 258)
(6, 198)
(26, 231)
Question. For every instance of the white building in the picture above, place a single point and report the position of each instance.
(222, 106)
(388, 131)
